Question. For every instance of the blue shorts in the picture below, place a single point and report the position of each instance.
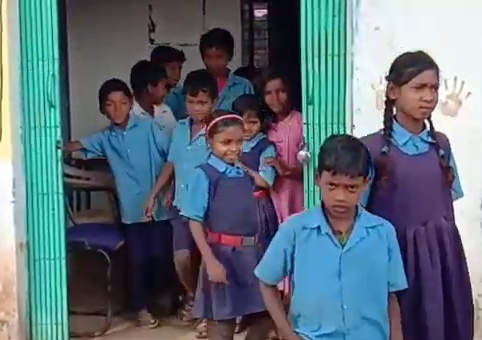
(182, 236)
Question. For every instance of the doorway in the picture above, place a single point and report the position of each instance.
(317, 55)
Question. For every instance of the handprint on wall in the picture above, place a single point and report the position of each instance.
(379, 90)
(454, 98)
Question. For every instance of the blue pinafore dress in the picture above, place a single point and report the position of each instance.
(417, 200)
(232, 210)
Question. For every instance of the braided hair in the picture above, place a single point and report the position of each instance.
(404, 68)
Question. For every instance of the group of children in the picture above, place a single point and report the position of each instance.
(222, 186)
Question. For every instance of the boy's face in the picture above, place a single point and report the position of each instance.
(341, 194)
(216, 61)
(158, 93)
(117, 107)
(173, 70)
(200, 106)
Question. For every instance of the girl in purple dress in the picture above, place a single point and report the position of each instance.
(414, 185)
(224, 220)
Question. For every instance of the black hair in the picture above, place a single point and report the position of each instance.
(344, 155)
(404, 68)
(164, 54)
(200, 81)
(222, 124)
(218, 38)
(250, 102)
(145, 73)
(110, 86)
(247, 72)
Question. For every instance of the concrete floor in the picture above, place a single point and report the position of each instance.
(169, 330)
(87, 292)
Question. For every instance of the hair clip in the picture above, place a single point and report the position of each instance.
(385, 149)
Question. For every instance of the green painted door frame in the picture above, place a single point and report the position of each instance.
(325, 76)
(41, 133)
(326, 66)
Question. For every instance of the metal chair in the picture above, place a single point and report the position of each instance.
(94, 231)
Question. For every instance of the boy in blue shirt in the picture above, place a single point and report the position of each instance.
(150, 84)
(217, 50)
(136, 150)
(188, 150)
(172, 60)
(344, 263)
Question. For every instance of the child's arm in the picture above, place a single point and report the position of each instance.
(73, 146)
(294, 172)
(397, 282)
(163, 144)
(276, 264)
(276, 309)
(258, 180)
(266, 174)
(395, 318)
(216, 271)
(91, 145)
(194, 207)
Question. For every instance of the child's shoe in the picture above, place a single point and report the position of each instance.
(146, 320)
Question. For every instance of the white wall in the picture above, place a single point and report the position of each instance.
(106, 37)
(450, 32)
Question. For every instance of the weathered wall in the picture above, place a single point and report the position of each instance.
(11, 245)
(449, 31)
(106, 37)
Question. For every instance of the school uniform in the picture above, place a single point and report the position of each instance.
(136, 156)
(232, 228)
(185, 153)
(415, 197)
(255, 153)
(233, 88)
(339, 292)
(163, 116)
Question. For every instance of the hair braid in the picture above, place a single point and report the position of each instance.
(382, 162)
(443, 157)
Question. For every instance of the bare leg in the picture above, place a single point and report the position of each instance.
(260, 326)
(221, 330)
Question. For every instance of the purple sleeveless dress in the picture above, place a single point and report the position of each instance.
(268, 219)
(232, 210)
(438, 304)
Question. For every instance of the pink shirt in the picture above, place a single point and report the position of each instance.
(287, 193)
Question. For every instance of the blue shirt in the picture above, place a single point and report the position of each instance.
(411, 144)
(195, 204)
(136, 156)
(186, 154)
(267, 172)
(339, 293)
(235, 87)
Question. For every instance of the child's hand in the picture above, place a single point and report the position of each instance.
(279, 165)
(216, 272)
(149, 208)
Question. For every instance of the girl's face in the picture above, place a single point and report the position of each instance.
(216, 61)
(418, 98)
(276, 96)
(252, 124)
(227, 143)
(117, 107)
